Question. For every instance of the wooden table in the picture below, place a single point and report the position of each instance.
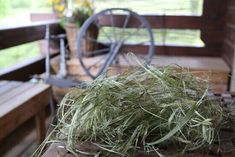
(227, 137)
(19, 101)
(226, 150)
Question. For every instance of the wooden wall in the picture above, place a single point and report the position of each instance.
(229, 34)
(229, 40)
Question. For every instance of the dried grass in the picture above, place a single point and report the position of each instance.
(141, 110)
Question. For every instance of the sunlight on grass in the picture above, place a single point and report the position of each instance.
(161, 36)
(18, 54)
(16, 12)
(162, 7)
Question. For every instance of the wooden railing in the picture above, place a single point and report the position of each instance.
(14, 36)
(211, 25)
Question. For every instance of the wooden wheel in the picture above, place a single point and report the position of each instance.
(109, 37)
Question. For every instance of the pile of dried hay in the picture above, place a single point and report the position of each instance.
(141, 110)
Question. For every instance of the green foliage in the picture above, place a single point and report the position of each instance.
(3, 7)
(78, 12)
(167, 7)
(20, 3)
(17, 54)
(79, 16)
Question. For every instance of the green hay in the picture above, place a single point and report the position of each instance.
(141, 110)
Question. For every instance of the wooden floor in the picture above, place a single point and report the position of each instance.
(22, 142)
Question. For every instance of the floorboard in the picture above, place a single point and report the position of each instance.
(22, 142)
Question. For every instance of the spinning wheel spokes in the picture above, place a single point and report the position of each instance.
(115, 29)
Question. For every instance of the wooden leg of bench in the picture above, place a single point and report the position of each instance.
(40, 126)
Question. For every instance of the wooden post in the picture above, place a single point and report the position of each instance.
(40, 126)
(232, 80)
(213, 12)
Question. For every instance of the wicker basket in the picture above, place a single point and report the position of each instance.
(72, 31)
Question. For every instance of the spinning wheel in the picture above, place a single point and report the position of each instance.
(107, 43)
(115, 32)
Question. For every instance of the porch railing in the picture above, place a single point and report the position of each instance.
(14, 36)
(211, 25)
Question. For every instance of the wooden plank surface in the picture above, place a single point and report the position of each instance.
(13, 36)
(16, 143)
(163, 21)
(2, 83)
(22, 97)
(229, 39)
(21, 103)
(14, 92)
(22, 141)
(55, 150)
(214, 10)
(58, 150)
(35, 17)
(40, 126)
(213, 68)
(210, 64)
(229, 31)
(228, 53)
(210, 50)
(25, 70)
(197, 63)
(8, 86)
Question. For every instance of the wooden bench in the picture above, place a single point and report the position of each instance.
(19, 101)
(213, 67)
(216, 67)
